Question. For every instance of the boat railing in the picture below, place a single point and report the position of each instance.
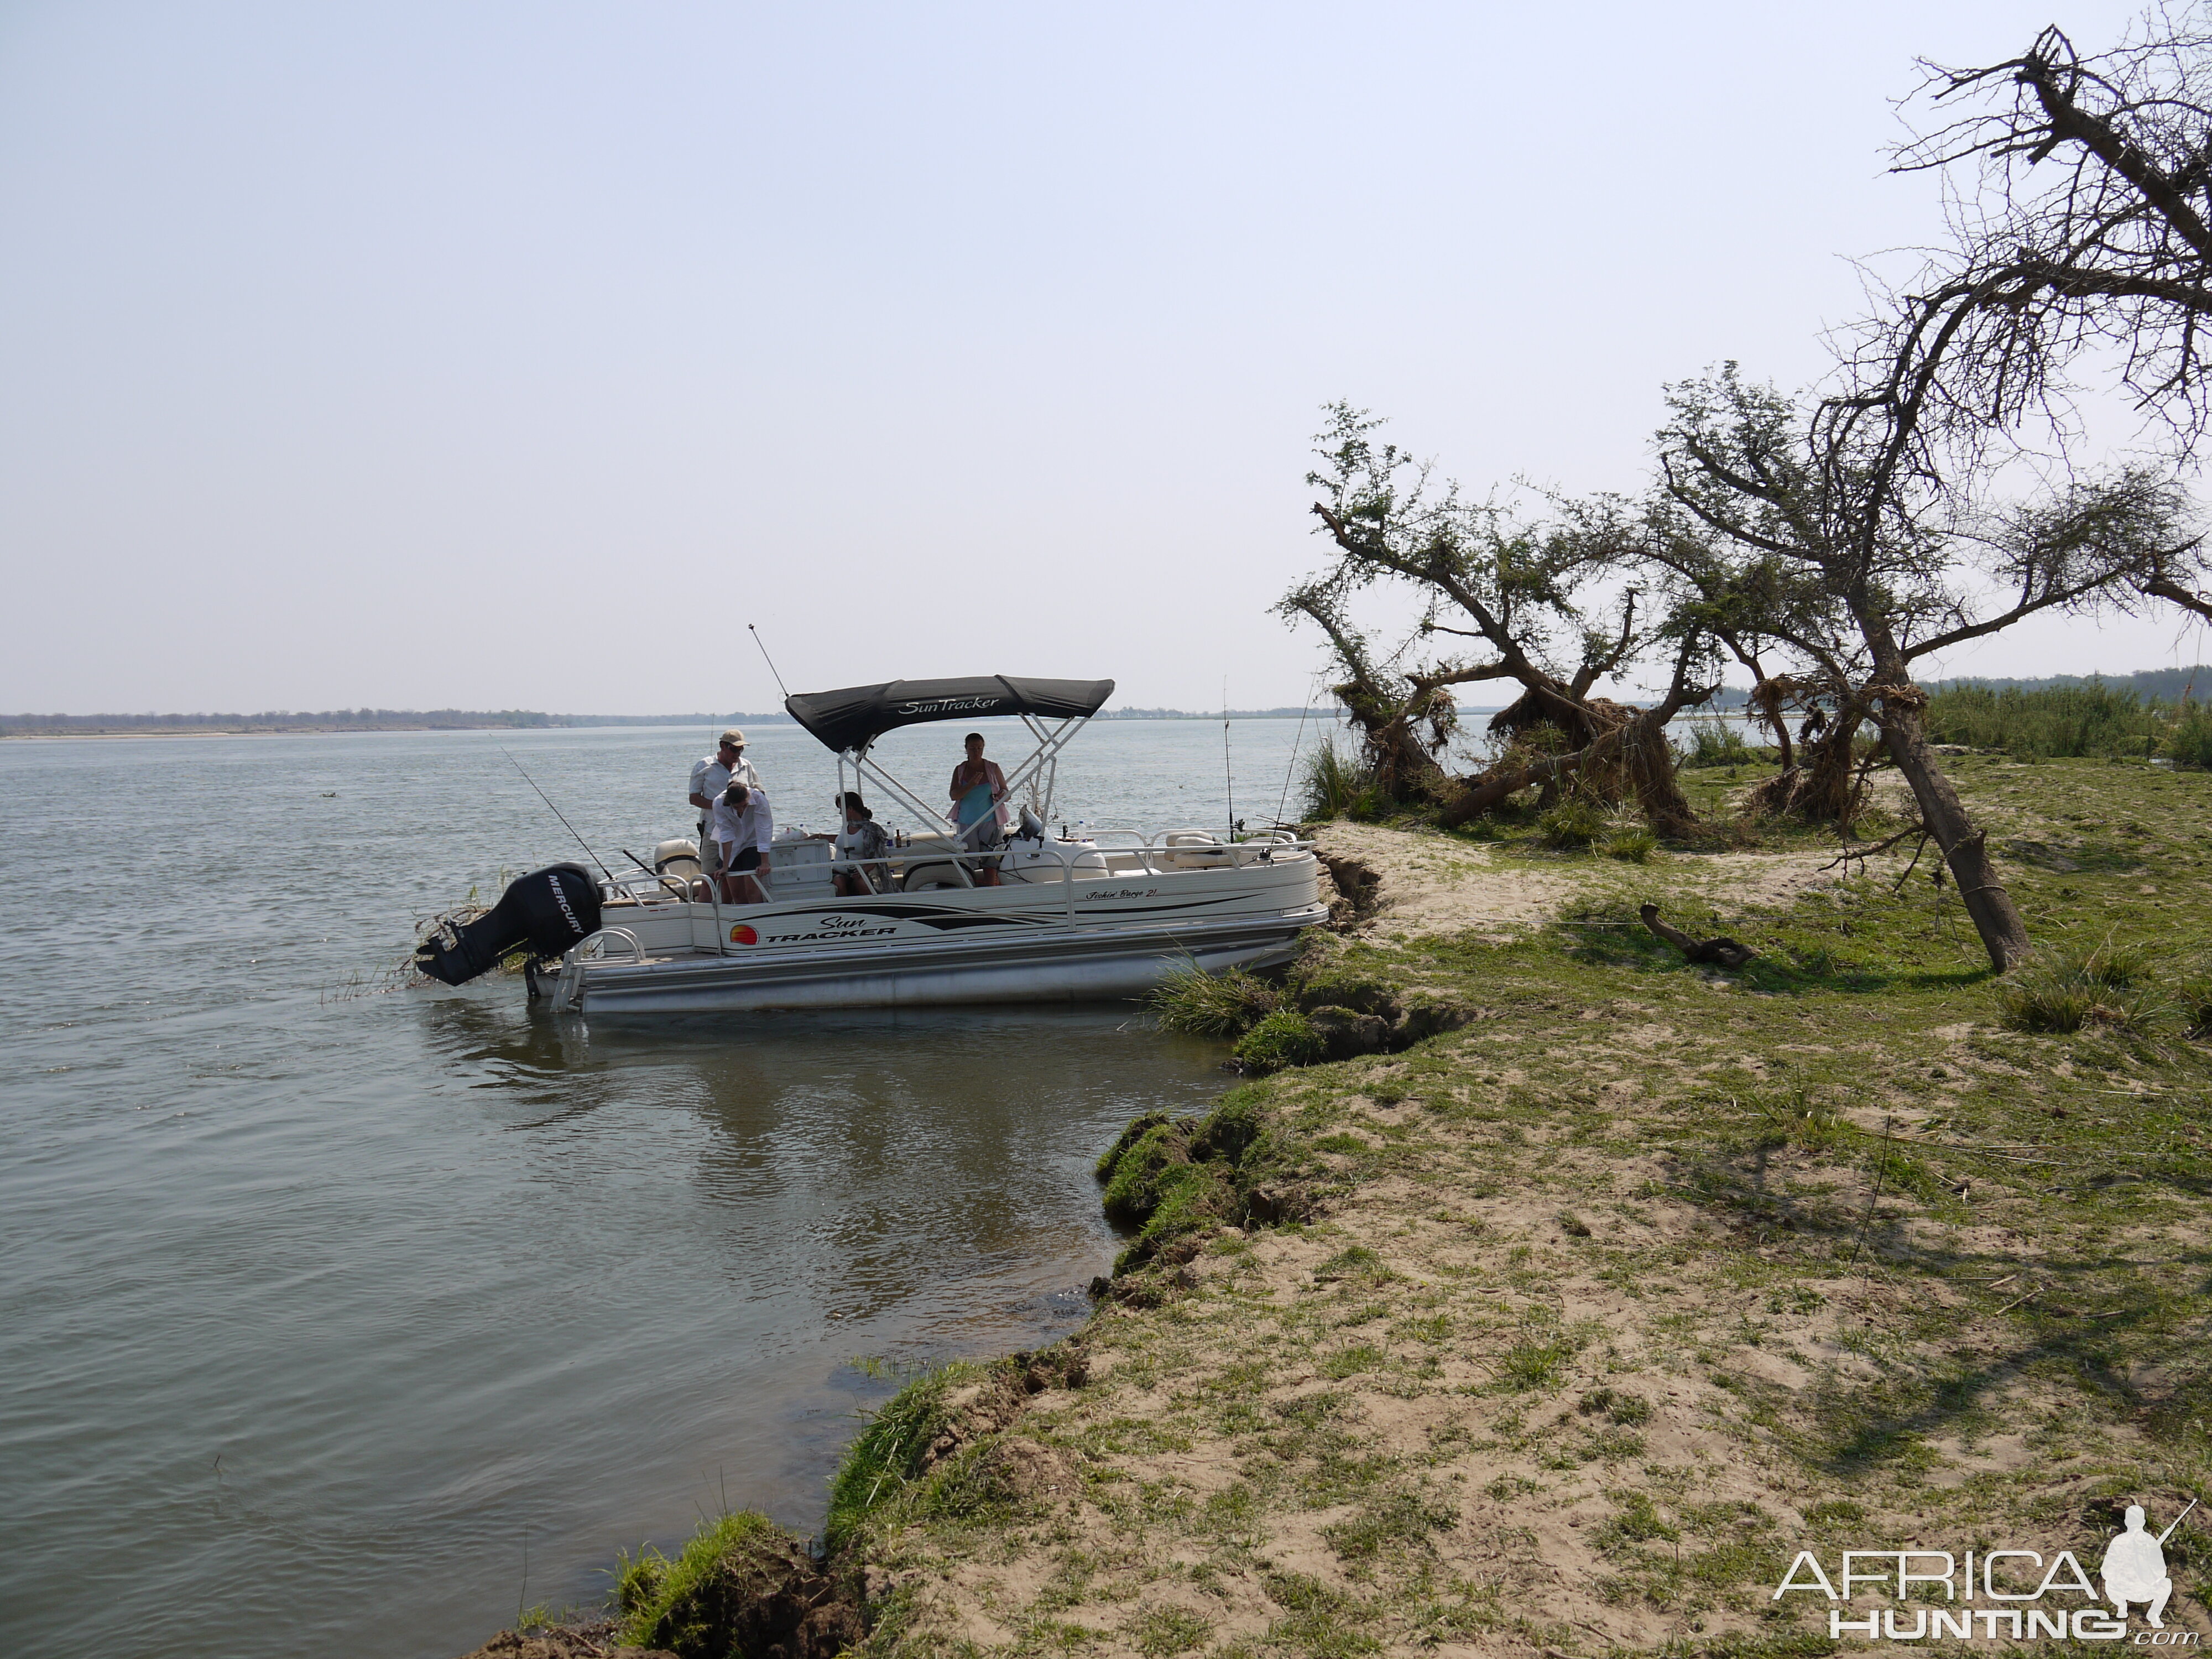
(1104, 852)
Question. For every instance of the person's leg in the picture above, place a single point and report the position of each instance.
(2158, 1604)
(743, 865)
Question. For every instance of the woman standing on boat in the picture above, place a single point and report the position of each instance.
(979, 788)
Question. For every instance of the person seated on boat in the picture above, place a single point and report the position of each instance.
(741, 829)
(861, 845)
(979, 793)
(712, 775)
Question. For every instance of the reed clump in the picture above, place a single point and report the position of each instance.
(1336, 785)
(1198, 1004)
(2062, 722)
(1716, 742)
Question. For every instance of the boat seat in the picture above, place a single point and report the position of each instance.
(1191, 850)
(678, 858)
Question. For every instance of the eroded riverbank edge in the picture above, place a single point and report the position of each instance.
(1569, 1328)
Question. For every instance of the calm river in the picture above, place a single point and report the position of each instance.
(357, 1320)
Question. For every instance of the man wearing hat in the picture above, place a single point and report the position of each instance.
(709, 778)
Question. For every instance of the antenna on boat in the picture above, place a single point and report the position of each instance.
(558, 813)
(1228, 774)
(769, 660)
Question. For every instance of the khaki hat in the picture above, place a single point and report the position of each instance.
(734, 737)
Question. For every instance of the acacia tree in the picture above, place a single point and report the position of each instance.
(1891, 561)
(2081, 219)
(1531, 602)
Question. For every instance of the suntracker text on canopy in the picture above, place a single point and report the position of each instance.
(856, 716)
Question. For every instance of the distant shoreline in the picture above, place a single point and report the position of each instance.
(55, 726)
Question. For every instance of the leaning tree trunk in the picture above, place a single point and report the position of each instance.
(1965, 848)
(1650, 764)
(1484, 792)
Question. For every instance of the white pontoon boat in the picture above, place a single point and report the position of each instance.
(1105, 915)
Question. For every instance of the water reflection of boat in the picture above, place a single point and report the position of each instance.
(1104, 914)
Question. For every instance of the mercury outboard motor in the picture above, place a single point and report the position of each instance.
(549, 910)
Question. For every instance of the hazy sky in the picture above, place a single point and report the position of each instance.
(517, 355)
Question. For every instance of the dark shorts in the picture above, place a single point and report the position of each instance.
(749, 859)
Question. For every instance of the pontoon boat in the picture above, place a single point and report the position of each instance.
(1105, 915)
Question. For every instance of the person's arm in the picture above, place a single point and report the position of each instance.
(765, 831)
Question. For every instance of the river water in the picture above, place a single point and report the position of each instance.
(332, 1315)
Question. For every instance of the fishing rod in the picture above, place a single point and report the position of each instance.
(673, 886)
(1290, 770)
(558, 813)
(769, 660)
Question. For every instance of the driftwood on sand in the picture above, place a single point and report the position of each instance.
(1723, 952)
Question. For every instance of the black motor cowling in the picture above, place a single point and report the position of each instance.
(548, 909)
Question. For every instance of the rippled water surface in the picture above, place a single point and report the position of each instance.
(322, 1314)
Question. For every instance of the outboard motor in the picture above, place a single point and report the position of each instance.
(549, 909)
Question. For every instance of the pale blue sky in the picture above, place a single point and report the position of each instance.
(497, 355)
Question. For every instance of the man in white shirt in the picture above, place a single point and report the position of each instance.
(742, 829)
(709, 778)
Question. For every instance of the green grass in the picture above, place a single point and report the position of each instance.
(2105, 984)
(1205, 1004)
(686, 1605)
(1284, 1039)
(1573, 824)
(1630, 843)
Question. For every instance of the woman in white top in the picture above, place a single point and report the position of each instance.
(861, 845)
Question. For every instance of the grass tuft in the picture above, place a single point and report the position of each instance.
(1571, 826)
(1198, 1004)
(2104, 986)
(1534, 1363)
(1284, 1039)
(1632, 844)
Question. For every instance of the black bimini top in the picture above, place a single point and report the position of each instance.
(856, 716)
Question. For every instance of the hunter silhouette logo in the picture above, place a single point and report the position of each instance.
(2134, 1568)
(1987, 1599)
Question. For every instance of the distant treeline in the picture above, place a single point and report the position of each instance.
(345, 720)
(1328, 709)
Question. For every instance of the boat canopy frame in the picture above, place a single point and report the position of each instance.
(849, 722)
